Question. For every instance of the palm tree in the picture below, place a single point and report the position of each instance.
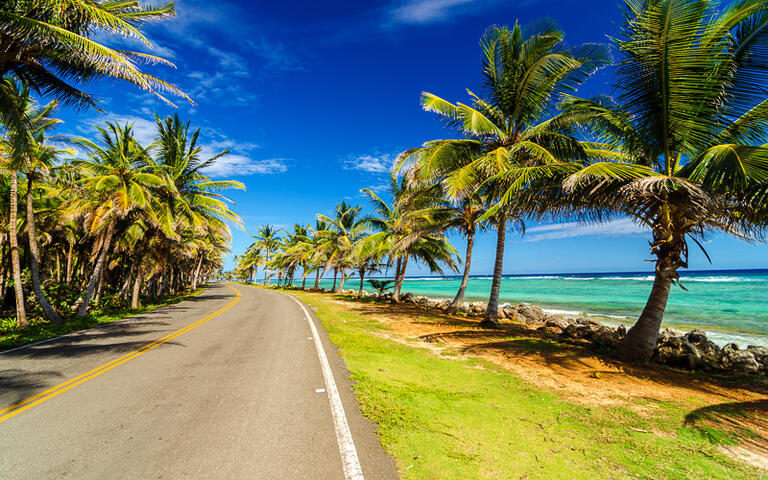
(194, 196)
(404, 233)
(40, 158)
(689, 130)
(466, 217)
(120, 180)
(319, 258)
(343, 231)
(267, 241)
(47, 45)
(510, 126)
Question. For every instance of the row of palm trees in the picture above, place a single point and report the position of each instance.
(347, 242)
(680, 146)
(120, 220)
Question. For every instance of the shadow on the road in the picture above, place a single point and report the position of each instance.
(70, 350)
(16, 384)
(203, 297)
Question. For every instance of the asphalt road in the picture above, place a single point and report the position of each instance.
(239, 394)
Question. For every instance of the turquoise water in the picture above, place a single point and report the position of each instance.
(731, 306)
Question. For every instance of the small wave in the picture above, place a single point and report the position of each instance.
(648, 278)
(717, 279)
(532, 277)
(427, 279)
(555, 311)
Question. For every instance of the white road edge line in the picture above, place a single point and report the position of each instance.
(349, 460)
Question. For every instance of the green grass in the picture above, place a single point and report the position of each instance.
(442, 418)
(12, 336)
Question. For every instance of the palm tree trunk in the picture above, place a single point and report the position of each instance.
(137, 289)
(34, 265)
(492, 311)
(58, 267)
(70, 263)
(317, 280)
(362, 277)
(304, 278)
(21, 312)
(123, 293)
(197, 273)
(341, 282)
(396, 290)
(640, 341)
(91, 287)
(99, 286)
(399, 280)
(335, 274)
(454, 306)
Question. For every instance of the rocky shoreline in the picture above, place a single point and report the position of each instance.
(689, 350)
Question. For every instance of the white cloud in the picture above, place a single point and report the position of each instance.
(237, 164)
(425, 11)
(144, 130)
(612, 228)
(234, 165)
(376, 163)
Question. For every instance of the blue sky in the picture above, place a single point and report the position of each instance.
(315, 99)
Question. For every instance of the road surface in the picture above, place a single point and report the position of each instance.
(227, 385)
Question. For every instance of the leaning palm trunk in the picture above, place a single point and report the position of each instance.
(335, 274)
(96, 275)
(640, 341)
(317, 279)
(21, 312)
(492, 312)
(341, 281)
(362, 277)
(399, 278)
(196, 275)
(454, 306)
(135, 304)
(34, 265)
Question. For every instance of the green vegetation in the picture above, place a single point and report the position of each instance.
(111, 223)
(448, 418)
(681, 150)
(13, 336)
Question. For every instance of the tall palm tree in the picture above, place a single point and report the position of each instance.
(51, 44)
(345, 228)
(403, 233)
(119, 180)
(689, 128)
(267, 241)
(510, 125)
(320, 257)
(40, 158)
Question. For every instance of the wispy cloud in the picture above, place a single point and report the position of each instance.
(371, 163)
(420, 12)
(613, 228)
(239, 163)
(426, 11)
(234, 165)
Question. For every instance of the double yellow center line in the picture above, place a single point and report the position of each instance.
(46, 395)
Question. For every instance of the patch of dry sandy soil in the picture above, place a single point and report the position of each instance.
(578, 374)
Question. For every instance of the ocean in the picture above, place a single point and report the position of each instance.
(730, 305)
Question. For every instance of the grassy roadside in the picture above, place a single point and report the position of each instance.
(453, 417)
(11, 336)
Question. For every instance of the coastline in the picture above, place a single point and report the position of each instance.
(738, 315)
